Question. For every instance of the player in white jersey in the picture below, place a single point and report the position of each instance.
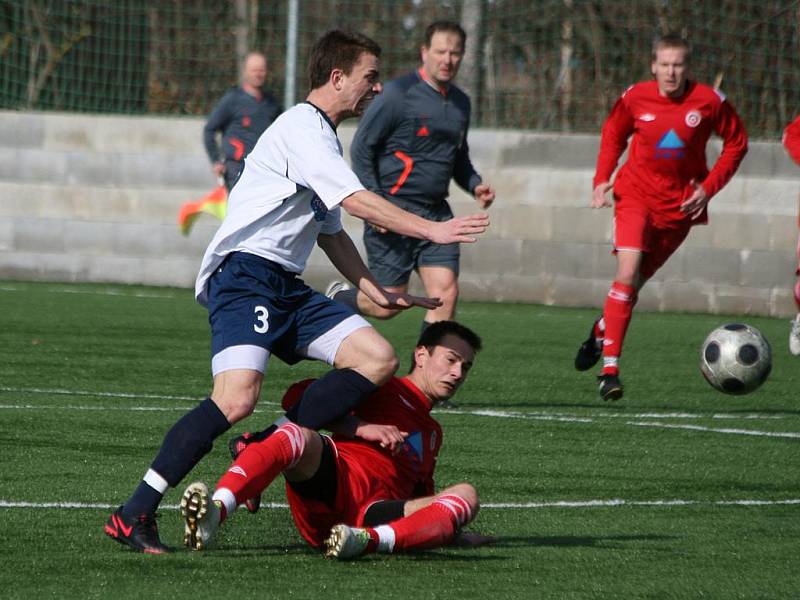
(287, 199)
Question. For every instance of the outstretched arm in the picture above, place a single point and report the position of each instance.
(345, 257)
(378, 211)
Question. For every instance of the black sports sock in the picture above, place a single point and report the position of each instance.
(144, 500)
(331, 396)
(189, 440)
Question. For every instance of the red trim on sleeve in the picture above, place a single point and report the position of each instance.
(238, 146)
(408, 164)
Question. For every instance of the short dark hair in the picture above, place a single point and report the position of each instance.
(671, 40)
(337, 50)
(436, 332)
(447, 26)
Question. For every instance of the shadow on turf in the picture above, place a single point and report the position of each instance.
(453, 553)
(574, 540)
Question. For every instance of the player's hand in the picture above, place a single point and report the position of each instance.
(599, 198)
(469, 539)
(484, 194)
(403, 301)
(218, 168)
(388, 436)
(694, 204)
(459, 229)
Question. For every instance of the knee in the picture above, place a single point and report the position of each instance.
(383, 363)
(469, 494)
(236, 404)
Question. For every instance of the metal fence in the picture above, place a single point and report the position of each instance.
(554, 65)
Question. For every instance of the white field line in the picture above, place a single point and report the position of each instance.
(783, 434)
(108, 292)
(536, 415)
(613, 502)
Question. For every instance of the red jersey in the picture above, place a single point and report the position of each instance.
(366, 472)
(791, 140)
(668, 147)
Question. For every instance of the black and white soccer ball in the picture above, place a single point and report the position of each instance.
(736, 358)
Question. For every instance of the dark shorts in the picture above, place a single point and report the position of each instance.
(392, 257)
(254, 301)
(323, 487)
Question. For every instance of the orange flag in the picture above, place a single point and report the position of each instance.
(214, 203)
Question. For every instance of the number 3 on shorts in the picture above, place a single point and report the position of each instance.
(262, 318)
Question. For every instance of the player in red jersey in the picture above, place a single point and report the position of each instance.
(791, 141)
(370, 488)
(661, 190)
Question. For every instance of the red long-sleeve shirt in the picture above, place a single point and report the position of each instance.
(668, 147)
(791, 139)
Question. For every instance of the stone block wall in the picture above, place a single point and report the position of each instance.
(95, 198)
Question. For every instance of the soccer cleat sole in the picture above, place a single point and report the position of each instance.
(335, 542)
(194, 506)
(344, 543)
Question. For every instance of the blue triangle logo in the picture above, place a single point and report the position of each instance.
(415, 441)
(670, 141)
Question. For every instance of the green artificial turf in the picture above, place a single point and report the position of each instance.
(676, 491)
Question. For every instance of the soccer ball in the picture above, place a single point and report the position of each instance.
(736, 358)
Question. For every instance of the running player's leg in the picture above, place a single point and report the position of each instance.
(240, 343)
(438, 267)
(630, 240)
(362, 359)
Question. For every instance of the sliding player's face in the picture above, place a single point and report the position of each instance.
(670, 68)
(361, 85)
(444, 369)
(441, 59)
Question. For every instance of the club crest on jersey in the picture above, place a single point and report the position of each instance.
(412, 447)
(670, 146)
(693, 118)
(319, 208)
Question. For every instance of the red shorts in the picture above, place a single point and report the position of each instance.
(635, 230)
(356, 489)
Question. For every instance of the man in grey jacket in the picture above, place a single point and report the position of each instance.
(411, 141)
(241, 116)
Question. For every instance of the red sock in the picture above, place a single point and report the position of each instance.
(797, 294)
(617, 315)
(261, 462)
(430, 527)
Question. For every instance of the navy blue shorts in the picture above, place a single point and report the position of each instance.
(393, 257)
(255, 302)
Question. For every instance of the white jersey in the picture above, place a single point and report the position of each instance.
(288, 193)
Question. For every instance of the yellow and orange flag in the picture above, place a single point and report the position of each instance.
(214, 203)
